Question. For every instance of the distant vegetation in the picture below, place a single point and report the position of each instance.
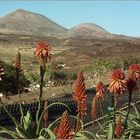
(52, 74)
(99, 69)
(101, 66)
(8, 85)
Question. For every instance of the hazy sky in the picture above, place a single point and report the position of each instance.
(119, 17)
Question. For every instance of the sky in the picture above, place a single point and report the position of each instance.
(117, 17)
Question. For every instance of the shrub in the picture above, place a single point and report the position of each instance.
(8, 85)
(33, 77)
(126, 61)
(49, 74)
(101, 66)
(56, 75)
(71, 75)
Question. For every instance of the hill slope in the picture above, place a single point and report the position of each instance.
(89, 29)
(21, 21)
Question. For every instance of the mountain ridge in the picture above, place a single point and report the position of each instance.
(25, 22)
(29, 22)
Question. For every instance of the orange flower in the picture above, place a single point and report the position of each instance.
(64, 131)
(118, 82)
(43, 52)
(93, 108)
(79, 95)
(17, 61)
(99, 91)
(119, 128)
(134, 72)
(2, 73)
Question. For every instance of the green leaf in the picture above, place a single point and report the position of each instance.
(137, 136)
(80, 136)
(130, 135)
(41, 137)
(110, 131)
(136, 110)
(28, 121)
(107, 122)
(136, 124)
(22, 133)
(47, 131)
(54, 122)
(89, 133)
(98, 136)
(9, 133)
(41, 117)
(28, 126)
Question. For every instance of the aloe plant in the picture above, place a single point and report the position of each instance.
(27, 129)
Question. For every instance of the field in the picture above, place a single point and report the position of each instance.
(65, 49)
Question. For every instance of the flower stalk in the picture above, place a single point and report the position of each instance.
(17, 69)
(42, 52)
(133, 77)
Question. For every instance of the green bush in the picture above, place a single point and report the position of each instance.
(58, 75)
(127, 61)
(54, 75)
(71, 76)
(49, 74)
(33, 77)
(101, 66)
(8, 84)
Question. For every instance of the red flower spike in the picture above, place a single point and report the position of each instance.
(43, 52)
(118, 82)
(64, 131)
(79, 95)
(119, 128)
(134, 72)
(99, 91)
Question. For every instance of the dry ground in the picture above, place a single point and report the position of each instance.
(77, 53)
(49, 93)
